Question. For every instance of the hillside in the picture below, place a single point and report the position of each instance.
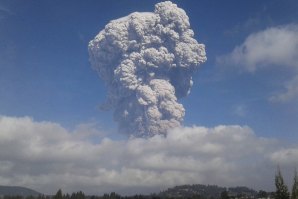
(17, 191)
(205, 191)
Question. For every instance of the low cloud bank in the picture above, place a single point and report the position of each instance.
(45, 156)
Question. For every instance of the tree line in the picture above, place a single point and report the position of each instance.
(281, 192)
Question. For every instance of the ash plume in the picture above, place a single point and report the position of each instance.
(147, 61)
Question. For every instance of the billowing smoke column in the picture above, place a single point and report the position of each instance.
(147, 61)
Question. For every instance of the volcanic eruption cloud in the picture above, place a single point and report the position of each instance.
(147, 61)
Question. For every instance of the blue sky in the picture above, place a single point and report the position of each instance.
(45, 72)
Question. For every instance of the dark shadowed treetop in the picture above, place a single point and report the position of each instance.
(281, 189)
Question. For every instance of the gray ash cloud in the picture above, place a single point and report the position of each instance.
(147, 61)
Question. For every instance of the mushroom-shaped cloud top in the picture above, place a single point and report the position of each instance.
(147, 61)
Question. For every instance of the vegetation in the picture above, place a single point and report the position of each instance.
(15, 190)
(196, 191)
(295, 187)
(224, 195)
(204, 191)
(281, 189)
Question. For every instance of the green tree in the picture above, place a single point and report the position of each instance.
(262, 194)
(224, 195)
(295, 186)
(58, 195)
(41, 196)
(106, 196)
(66, 196)
(281, 189)
(114, 195)
(80, 195)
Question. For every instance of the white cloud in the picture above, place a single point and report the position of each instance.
(273, 47)
(290, 93)
(240, 110)
(288, 156)
(46, 157)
